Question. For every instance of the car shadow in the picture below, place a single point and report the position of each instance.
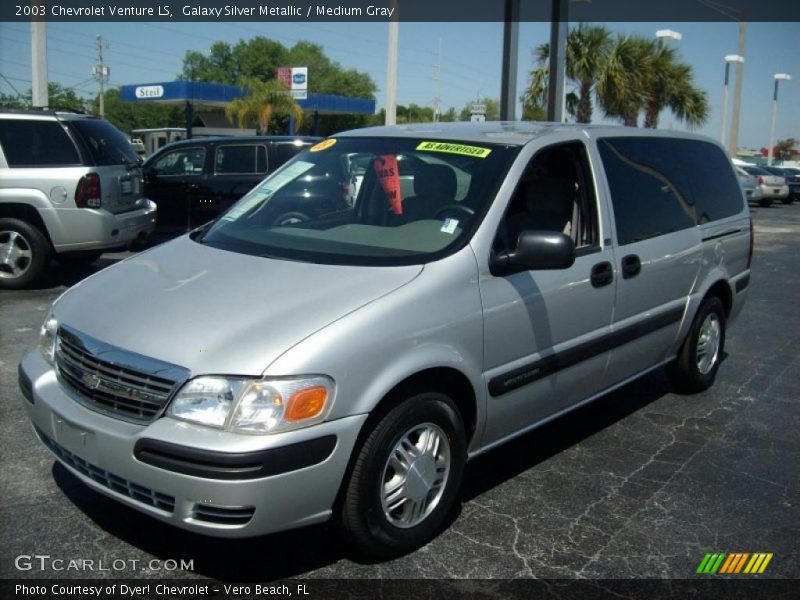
(58, 275)
(292, 553)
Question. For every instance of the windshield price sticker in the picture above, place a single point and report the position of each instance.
(323, 145)
(449, 148)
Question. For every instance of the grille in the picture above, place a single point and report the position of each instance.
(223, 515)
(109, 480)
(109, 386)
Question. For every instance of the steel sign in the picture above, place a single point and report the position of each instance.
(149, 91)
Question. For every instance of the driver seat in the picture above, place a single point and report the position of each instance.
(435, 186)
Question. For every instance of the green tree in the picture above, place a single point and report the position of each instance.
(621, 83)
(128, 116)
(264, 99)
(670, 84)
(784, 149)
(260, 57)
(587, 46)
(59, 98)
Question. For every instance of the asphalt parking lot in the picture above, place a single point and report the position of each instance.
(641, 483)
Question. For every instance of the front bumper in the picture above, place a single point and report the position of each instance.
(101, 451)
(74, 229)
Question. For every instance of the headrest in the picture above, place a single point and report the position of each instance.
(435, 180)
(555, 196)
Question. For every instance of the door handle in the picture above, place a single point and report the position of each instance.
(602, 274)
(631, 266)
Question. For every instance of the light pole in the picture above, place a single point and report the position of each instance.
(778, 78)
(730, 58)
(668, 35)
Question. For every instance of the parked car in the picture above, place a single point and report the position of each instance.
(773, 187)
(194, 181)
(52, 163)
(750, 187)
(252, 377)
(792, 176)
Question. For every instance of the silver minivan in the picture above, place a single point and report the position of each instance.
(248, 378)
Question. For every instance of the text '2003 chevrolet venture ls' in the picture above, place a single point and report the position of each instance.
(475, 281)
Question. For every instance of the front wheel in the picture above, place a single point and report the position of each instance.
(698, 360)
(406, 477)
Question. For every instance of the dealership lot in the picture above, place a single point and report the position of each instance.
(641, 483)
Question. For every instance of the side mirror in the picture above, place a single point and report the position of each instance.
(536, 250)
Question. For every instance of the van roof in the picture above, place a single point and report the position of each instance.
(515, 133)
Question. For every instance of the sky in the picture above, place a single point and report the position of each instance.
(470, 60)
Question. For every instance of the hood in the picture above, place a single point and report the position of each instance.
(218, 312)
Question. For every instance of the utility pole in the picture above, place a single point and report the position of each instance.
(737, 89)
(101, 71)
(391, 72)
(508, 85)
(39, 91)
(559, 22)
(437, 109)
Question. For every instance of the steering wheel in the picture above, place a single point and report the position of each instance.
(454, 207)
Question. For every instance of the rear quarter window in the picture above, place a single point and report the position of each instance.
(31, 143)
(107, 144)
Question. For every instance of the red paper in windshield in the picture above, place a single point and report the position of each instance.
(386, 169)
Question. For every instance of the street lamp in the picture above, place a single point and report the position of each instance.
(730, 58)
(668, 35)
(778, 78)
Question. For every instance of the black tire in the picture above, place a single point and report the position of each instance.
(22, 239)
(361, 517)
(77, 259)
(685, 373)
(766, 202)
(788, 200)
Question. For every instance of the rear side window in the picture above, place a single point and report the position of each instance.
(107, 144)
(659, 185)
(240, 159)
(286, 151)
(30, 143)
(649, 191)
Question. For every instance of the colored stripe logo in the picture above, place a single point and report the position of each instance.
(732, 563)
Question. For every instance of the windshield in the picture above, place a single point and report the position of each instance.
(367, 201)
(107, 144)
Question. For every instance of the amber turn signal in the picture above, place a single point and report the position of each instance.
(306, 404)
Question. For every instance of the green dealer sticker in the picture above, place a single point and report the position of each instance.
(450, 148)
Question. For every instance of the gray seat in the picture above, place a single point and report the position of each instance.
(434, 187)
(549, 205)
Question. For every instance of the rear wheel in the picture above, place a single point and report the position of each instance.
(788, 200)
(698, 360)
(24, 253)
(406, 477)
(765, 202)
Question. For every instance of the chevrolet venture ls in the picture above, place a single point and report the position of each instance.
(250, 377)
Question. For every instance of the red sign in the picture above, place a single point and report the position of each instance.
(388, 174)
(285, 76)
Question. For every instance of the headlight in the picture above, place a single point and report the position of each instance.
(47, 339)
(254, 405)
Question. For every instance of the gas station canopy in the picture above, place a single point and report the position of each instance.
(201, 94)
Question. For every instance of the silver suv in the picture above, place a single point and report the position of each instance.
(70, 187)
(251, 377)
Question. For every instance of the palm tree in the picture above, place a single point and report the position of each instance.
(784, 149)
(669, 84)
(587, 46)
(621, 82)
(264, 99)
(639, 75)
